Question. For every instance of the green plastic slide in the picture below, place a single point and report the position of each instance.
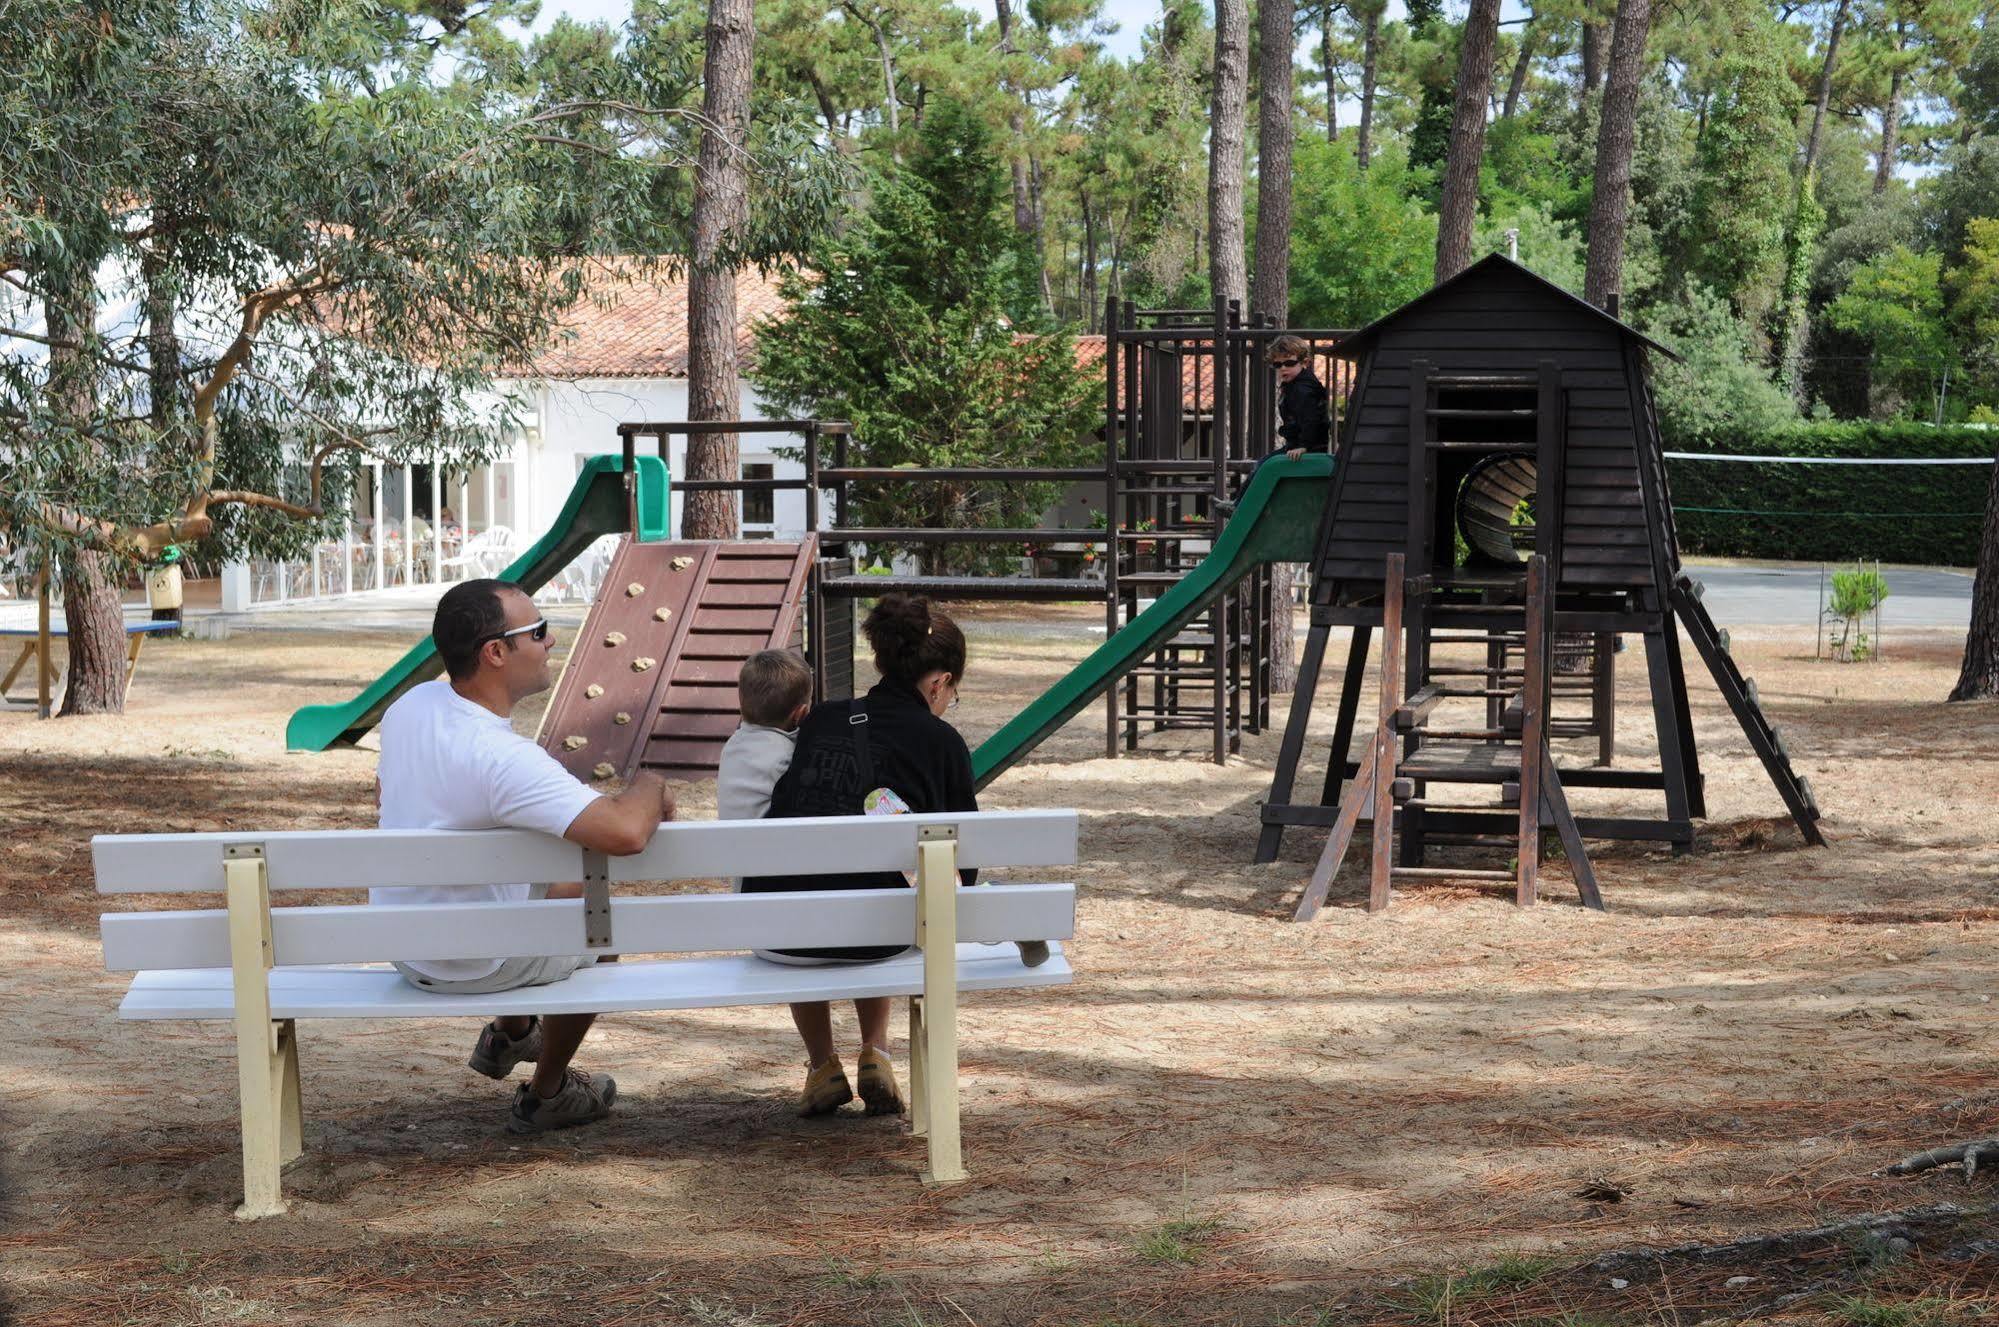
(1277, 520)
(596, 507)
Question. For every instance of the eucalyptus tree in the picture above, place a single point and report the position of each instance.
(346, 219)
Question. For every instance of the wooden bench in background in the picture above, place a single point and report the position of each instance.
(265, 968)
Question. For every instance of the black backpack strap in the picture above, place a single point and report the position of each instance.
(857, 725)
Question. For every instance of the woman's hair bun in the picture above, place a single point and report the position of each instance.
(911, 639)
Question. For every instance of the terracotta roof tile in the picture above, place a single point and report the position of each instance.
(633, 325)
(1197, 376)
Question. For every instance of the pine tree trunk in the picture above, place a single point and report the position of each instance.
(1610, 207)
(1593, 49)
(721, 198)
(1369, 68)
(1088, 282)
(1328, 70)
(1459, 205)
(1891, 119)
(1227, 277)
(1271, 295)
(1522, 66)
(1825, 90)
(1978, 679)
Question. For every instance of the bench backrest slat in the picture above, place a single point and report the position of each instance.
(685, 923)
(356, 859)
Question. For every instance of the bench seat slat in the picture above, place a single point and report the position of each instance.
(692, 983)
(684, 850)
(682, 923)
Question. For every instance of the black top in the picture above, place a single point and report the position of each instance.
(914, 753)
(1301, 405)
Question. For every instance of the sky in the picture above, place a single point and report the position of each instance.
(1131, 16)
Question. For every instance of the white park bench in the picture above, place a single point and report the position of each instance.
(265, 968)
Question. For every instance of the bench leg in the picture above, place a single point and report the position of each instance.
(291, 1113)
(260, 1055)
(937, 930)
(919, 1098)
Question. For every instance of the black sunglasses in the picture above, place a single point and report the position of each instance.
(1285, 363)
(536, 631)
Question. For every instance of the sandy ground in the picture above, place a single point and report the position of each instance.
(1228, 1118)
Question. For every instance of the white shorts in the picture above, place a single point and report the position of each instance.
(513, 974)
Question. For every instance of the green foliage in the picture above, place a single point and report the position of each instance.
(1360, 246)
(1742, 199)
(1719, 384)
(1856, 592)
(1524, 170)
(1436, 1298)
(1835, 513)
(1434, 65)
(904, 330)
(1894, 305)
(1871, 1311)
(1184, 1242)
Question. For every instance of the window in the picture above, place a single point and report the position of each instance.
(759, 508)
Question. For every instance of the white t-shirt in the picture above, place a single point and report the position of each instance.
(753, 760)
(450, 764)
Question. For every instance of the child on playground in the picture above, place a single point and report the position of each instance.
(773, 693)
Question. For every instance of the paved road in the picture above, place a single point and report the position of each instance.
(1737, 596)
(1789, 596)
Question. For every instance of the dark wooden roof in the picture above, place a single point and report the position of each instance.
(1482, 272)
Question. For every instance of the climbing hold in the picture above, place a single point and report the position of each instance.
(682, 563)
(614, 639)
(593, 691)
(634, 590)
(575, 743)
(640, 664)
(661, 614)
(605, 769)
(622, 719)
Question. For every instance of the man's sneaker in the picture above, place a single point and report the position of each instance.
(825, 1089)
(878, 1088)
(1033, 953)
(496, 1054)
(581, 1100)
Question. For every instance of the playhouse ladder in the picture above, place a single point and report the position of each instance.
(1412, 749)
(1740, 693)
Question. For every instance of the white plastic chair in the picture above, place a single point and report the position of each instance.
(484, 554)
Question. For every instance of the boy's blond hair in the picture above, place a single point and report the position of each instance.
(1289, 347)
(771, 687)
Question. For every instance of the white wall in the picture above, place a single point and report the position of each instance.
(580, 419)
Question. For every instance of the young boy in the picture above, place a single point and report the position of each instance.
(773, 692)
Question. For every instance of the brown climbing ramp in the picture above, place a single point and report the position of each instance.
(670, 630)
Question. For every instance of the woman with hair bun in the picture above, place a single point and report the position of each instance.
(885, 753)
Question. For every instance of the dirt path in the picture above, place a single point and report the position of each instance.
(1229, 1118)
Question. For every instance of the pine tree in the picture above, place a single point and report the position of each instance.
(909, 331)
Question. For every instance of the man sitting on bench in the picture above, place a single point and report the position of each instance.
(451, 760)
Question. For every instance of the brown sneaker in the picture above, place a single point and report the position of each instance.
(878, 1088)
(583, 1099)
(497, 1053)
(826, 1089)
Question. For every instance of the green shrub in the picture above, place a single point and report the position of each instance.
(1856, 592)
(1834, 513)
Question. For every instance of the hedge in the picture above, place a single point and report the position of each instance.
(1931, 515)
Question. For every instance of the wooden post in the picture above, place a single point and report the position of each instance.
(44, 680)
(1383, 752)
(266, 1061)
(937, 935)
(1533, 718)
